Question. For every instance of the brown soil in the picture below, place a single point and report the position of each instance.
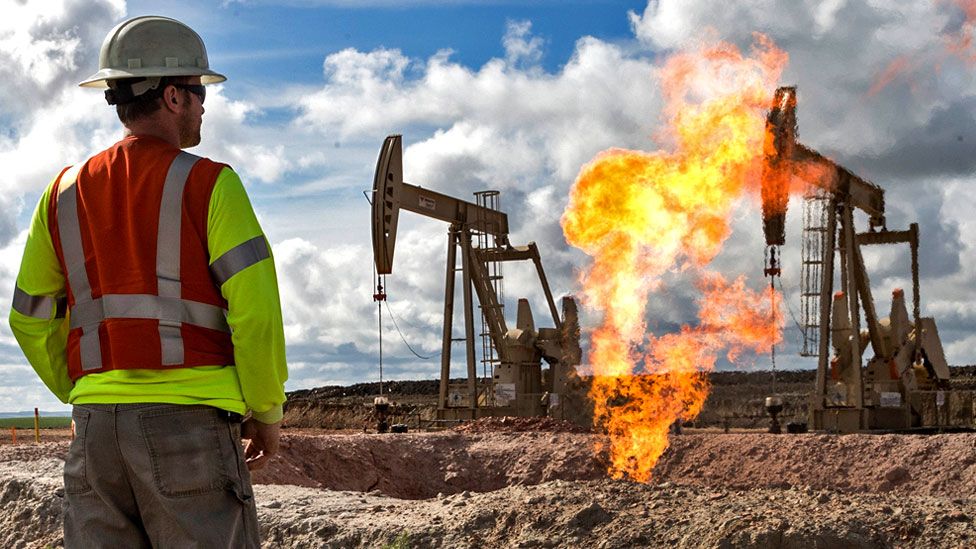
(26, 436)
(510, 484)
(421, 465)
(519, 425)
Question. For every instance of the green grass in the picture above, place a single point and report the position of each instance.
(28, 422)
(400, 542)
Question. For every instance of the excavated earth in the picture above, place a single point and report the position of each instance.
(518, 483)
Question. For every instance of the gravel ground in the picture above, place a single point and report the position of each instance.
(511, 487)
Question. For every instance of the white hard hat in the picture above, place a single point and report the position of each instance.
(151, 47)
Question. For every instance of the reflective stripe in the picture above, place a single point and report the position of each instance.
(239, 258)
(90, 347)
(38, 306)
(168, 252)
(170, 344)
(69, 230)
(170, 218)
(170, 311)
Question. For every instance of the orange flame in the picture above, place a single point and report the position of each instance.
(640, 215)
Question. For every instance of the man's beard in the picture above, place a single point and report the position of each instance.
(189, 131)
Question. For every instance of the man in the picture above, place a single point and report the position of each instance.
(147, 298)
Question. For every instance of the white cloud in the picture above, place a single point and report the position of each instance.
(510, 125)
(45, 50)
(880, 91)
(520, 46)
(19, 392)
(837, 64)
(48, 46)
(374, 93)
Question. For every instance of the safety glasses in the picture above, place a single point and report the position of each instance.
(196, 89)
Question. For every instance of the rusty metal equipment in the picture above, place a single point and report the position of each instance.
(516, 385)
(905, 385)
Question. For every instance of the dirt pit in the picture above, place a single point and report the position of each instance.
(477, 457)
(509, 486)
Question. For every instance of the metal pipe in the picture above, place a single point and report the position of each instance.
(826, 298)
(466, 259)
(853, 305)
(916, 298)
(448, 316)
(545, 285)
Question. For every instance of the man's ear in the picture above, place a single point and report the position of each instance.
(171, 97)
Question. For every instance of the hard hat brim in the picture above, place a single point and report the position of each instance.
(100, 79)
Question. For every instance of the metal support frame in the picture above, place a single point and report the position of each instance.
(469, 323)
(481, 231)
(452, 238)
(886, 372)
(851, 287)
(826, 291)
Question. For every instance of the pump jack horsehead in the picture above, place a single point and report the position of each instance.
(905, 384)
(516, 386)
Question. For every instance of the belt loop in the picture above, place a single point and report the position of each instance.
(230, 417)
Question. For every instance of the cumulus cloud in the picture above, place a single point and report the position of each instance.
(600, 98)
(507, 125)
(48, 47)
(838, 63)
(44, 53)
(881, 91)
(514, 126)
(520, 46)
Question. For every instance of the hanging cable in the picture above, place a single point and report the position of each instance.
(789, 309)
(379, 297)
(389, 311)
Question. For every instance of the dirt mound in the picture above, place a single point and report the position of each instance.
(519, 425)
(942, 465)
(31, 500)
(609, 514)
(422, 465)
(549, 489)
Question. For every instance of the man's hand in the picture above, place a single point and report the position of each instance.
(260, 442)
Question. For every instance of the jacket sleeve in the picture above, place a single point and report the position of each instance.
(37, 315)
(243, 266)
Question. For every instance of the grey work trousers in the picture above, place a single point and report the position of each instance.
(157, 475)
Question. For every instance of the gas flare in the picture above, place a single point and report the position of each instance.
(640, 215)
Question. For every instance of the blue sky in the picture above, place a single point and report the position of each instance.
(514, 96)
(295, 36)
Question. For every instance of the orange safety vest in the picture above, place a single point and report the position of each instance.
(129, 227)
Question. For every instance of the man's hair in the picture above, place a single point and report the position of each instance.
(144, 105)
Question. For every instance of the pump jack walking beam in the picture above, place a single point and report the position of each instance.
(859, 390)
(519, 350)
(391, 194)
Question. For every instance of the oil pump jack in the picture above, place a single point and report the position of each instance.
(516, 386)
(905, 384)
